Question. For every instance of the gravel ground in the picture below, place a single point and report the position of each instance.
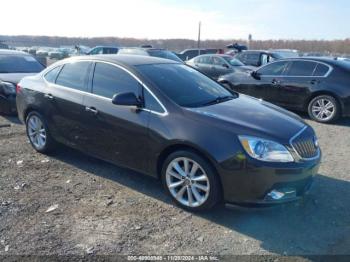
(103, 209)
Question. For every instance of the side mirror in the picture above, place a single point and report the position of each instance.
(226, 66)
(255, 75)
(126, 99)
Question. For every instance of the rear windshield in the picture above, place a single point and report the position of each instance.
(164, 54)
(19, 64)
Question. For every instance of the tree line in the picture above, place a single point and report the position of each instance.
(330, 46)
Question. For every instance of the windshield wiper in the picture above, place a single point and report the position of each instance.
(218, 100)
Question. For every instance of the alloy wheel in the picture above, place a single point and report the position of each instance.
(187, 182)
(323, 109)
(36, 132)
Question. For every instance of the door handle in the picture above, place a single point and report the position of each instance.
(275, 82)
(49, 96)
(91, 110)
(314, 81)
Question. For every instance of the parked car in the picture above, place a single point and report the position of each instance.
(149, 51)
(262, 57)
(99, 50)
(14, 65)
(172, 122)
(319, 86)
(188, 54)
(218, 65)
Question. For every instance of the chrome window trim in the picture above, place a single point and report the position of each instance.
(296, 152)
(106, 98)
(303, 60)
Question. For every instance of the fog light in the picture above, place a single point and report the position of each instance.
(275, 195)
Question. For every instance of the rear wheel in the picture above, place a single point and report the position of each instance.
(324, 109)
(38, 133)
(190, 181)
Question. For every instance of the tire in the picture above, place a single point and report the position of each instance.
(38, 133)
(320, 106)
(199, 191)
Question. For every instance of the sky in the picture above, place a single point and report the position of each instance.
(167, 19)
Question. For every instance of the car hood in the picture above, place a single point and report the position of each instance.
(14, 77)
(249, 116)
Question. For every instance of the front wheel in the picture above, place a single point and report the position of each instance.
(38, 133)
(191, 181)
(324, 109)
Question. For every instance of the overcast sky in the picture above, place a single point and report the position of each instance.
(221, 19)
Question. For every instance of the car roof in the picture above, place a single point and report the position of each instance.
(145, 48)
(126, 60)
(218, 55)
(328, 60)
(12, 52)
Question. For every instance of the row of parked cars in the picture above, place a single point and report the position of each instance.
(205, 141)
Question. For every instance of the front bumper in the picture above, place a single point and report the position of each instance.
(8, 104)
(258, 183)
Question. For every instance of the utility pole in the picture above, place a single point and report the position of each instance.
(199, 38)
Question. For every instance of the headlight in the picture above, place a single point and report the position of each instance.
(7, 88)
(265, 150)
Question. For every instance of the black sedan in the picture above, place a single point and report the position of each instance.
(14, 65)
(169, 121)
(319, 86)
(218, 65)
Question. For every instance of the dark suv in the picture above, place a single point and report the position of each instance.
(170, 121)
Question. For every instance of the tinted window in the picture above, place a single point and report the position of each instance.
(19, 64)
(203, 60)
(321, 70)
(253, 58)
(109, 80)
(274, 69)
(74, 75)
(110, 50)
(218, 61)
(182, 84)
(151, 103)
(52, 75)
(301, 68)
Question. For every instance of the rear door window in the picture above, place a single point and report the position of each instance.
(109, 80)
(301, 68)
(74, 75)
(321, 70)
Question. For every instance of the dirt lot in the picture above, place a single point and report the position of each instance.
(103, 209)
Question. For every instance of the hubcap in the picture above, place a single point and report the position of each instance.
(36, 132)
(187, 182)
(323, 109)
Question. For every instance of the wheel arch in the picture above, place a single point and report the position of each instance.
(324, 92)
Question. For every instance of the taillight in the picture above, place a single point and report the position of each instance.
(18, 88)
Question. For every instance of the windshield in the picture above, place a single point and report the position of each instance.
(233, 61)
(19, 64)
(164, 54)
(184, 85)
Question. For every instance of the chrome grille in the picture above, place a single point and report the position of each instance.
(304, 143)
